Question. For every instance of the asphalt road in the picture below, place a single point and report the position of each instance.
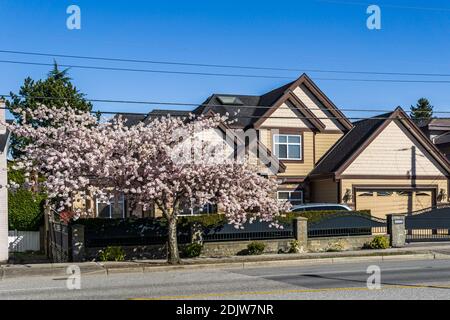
(426, 279)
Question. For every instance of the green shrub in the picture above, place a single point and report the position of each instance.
(25, 208)
(378, 242)
(112, 253)
(192, 250)
(294, 246)
(206, 220)
(255, 248)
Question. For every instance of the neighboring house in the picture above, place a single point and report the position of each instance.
(4, 136)
(386, 165)
(438, 130)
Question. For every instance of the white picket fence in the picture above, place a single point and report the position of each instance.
(22, 241)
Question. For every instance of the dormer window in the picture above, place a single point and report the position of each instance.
(230, 100)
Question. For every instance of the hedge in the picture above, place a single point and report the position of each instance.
(25, 208)
(210, 221)
(316, 216)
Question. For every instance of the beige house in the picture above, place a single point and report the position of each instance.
(385, 164)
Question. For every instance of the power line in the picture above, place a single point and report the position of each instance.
(185, 104)
(97, 58)
(386, 5)
(219, 74)
(237, 116)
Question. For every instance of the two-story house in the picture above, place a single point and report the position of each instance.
(385, 163)
(438, 131)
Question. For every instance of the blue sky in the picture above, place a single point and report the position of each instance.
(304, 34)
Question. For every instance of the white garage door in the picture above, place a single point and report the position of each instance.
(382, 202)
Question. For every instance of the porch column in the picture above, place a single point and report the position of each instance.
(3, 193)
(396, 230)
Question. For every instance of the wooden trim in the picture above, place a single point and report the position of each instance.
(289, 97)
(333, 131)
(236, 139)
(321, 96)
(290, 131)
(304, 79)
(433, 188)
(293, 179)
(287, 130)
(314, 149)
(339, 191)
(306, 111)
(322, 176)
(390, 177)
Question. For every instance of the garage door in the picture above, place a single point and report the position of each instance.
(382, 202)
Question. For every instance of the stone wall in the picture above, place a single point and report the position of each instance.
(338, 243)
(232, 248)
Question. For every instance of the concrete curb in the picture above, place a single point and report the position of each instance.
(109, 268)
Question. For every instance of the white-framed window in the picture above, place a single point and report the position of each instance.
(287, 146)
(294, 197)
(206, 209)
(105, 208)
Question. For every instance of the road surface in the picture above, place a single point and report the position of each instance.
(426, 279)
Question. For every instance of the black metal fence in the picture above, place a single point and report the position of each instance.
(431, 225)
(136, 232)
(60, 242)
(350, 224)
(250, 231)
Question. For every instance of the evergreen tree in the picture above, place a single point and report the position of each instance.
(423, 110)
(56, 90)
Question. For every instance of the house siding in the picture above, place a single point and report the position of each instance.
(316, 107)
(325, 191)
(286, 117)
(394, 152)
(323, 143)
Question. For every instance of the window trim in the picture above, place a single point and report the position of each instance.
(302, 200)
(287, 135)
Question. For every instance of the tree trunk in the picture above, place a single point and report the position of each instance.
(173, 255)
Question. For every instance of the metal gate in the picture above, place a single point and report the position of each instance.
(428, 225)
(60, 242)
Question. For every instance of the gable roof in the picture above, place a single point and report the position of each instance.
(348, 144)
(315, 90)
(256, 109)
(363, 133)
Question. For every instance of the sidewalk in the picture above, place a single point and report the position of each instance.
(410, 252)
